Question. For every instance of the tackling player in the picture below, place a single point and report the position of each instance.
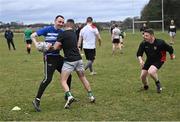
(72, 61)
(155, 50)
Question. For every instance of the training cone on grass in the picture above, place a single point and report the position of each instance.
(16, 108)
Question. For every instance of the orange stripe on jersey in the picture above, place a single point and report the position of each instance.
(163, 58)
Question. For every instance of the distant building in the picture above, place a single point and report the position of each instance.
(17, 23)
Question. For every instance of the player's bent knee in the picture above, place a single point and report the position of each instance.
(151, 72)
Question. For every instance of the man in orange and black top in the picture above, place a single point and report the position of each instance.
(155, 50)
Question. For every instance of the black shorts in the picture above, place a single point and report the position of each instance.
(116, 41)
(157, 64)
(90, 54)
(53, 63)
(29, 41)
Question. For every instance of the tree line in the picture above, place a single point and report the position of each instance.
(153, 11)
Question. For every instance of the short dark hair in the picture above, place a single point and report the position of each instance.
(150, 31)
(70, 20)
(116, 25)
(89, 19)
(59, 16)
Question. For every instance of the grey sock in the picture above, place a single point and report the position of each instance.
(88, 65)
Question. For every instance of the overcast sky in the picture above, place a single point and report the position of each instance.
(44, 11)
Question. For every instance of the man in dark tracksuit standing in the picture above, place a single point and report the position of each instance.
(52, 59)
(155, 50)
(9, 37)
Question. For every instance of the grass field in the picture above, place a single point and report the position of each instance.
(115, 86)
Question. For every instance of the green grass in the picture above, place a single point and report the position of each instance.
(115, 86)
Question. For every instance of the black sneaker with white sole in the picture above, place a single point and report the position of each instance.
(36, 104)
(69, 101)
(92, 99)
(158, 87)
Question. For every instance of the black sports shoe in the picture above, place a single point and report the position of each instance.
(75, 99)
(146, 87)
(159, 88)
(36, 104)
(143, 88)
(69, 101)
(92, 99)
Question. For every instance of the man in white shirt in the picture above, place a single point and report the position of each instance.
(116, 39)
(88, 35)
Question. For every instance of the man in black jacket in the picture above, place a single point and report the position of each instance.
(155, 50)
(9, 37)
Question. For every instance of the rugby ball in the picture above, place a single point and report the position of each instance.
(42, 46)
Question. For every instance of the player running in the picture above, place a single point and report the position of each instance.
(155, 50)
